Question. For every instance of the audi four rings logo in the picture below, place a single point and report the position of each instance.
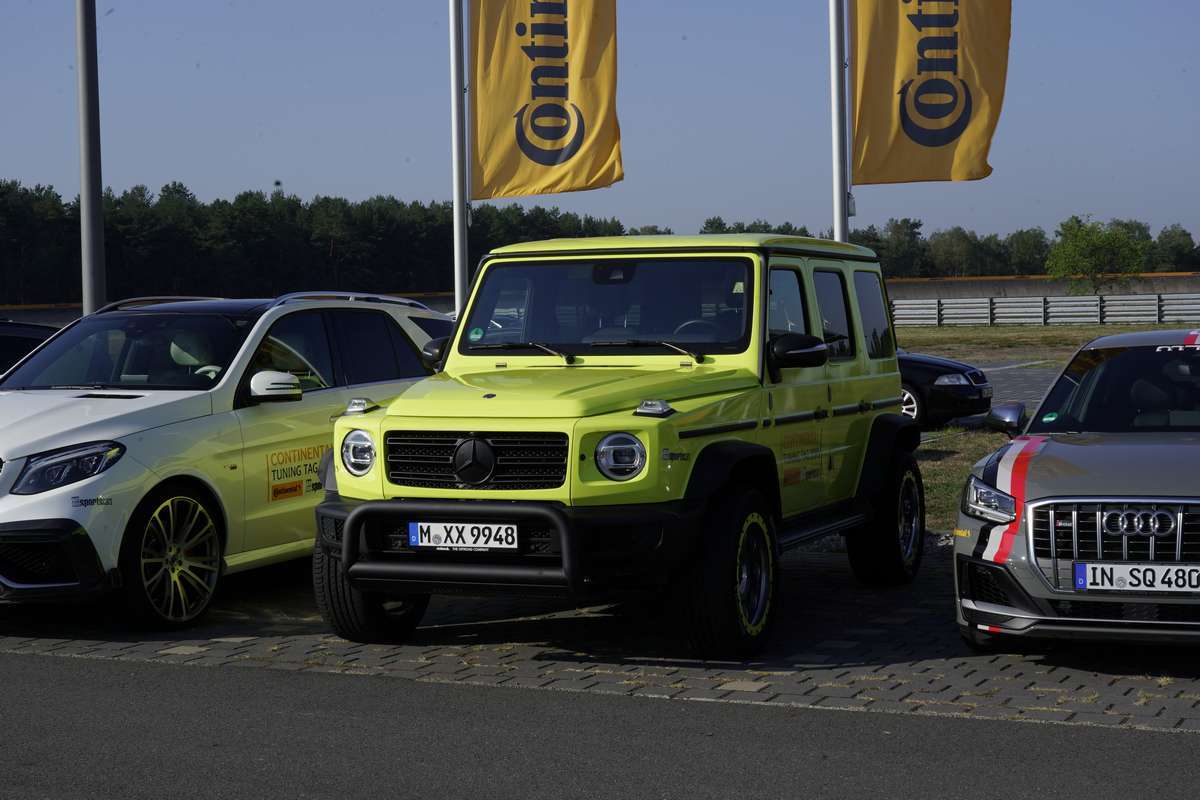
(1145, 523)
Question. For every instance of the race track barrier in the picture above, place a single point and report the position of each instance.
(1115, 309)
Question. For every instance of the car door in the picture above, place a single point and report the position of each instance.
(843, 438)
(284, 441)
(797, 402)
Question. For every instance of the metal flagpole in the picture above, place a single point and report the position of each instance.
(91, 212)
(458, 123)
(839, 114)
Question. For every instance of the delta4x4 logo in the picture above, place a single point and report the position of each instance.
(935, 106)
(549, 117)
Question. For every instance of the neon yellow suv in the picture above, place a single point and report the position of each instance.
(627, 415)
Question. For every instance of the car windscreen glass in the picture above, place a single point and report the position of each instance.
(135, 351)
(613, 306)
(1125, 390)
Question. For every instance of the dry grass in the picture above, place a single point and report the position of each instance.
(945, 462)
(1005, 343)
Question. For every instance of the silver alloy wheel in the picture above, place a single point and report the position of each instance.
(909, 405)
(908, 514)
(754, 577)
(180, 560)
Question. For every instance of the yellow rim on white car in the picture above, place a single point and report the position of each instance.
(180, 559)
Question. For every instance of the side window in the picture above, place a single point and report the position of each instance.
(436, 328)
(786, 314)
(373, 348)
(835, 314)
(876, 322)
(297, 344)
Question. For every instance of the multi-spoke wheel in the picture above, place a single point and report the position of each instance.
(910, 404)
(171, 558)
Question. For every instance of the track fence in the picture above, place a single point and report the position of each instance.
(1123, 309)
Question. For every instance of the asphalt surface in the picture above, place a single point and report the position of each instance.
(81, 728)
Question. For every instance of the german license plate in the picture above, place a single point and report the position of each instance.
(470, 536)
(1111, 577)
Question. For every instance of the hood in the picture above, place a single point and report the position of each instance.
(1118, 464)
(934, 362)
(39, 420)
(561, 392)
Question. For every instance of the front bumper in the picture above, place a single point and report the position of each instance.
(563, 551)
(48, 560)
(959, 401)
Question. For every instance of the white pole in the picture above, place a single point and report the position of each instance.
(458, 125)
(91, 211)
(839, 115)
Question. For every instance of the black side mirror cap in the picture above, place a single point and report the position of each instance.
(798, 350)
(434, 351)
(1007, 418)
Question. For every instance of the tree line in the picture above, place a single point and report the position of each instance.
(261, 244)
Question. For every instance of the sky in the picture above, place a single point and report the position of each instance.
(724, 109)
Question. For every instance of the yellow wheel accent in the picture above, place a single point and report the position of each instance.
(753, 570)
(180, 559)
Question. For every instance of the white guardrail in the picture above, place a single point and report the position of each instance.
(1125, 309)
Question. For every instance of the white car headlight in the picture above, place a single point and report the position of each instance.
(987, 502)
(56, 468)
(358, 453)
(953, 379)
(620, 456)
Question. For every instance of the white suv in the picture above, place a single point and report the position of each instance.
(159, 443)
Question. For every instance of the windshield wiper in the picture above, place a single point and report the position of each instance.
(545, 348)
(699, 357)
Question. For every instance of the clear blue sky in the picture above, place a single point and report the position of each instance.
(723, 106)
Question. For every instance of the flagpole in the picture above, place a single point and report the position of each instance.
(839, 117)
(458, 125)
(91, 211)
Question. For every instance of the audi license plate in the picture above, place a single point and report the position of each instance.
(1112, 577)
(470, 536)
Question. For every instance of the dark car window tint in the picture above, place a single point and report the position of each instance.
(297, 344)
(14, 348)
(373, 349)
(787, 304)
(436, 328)
(876, 322)
(835, 314)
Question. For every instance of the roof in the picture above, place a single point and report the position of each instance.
(237, 307)
(9, 327)
(715, 241)
(1151, 338)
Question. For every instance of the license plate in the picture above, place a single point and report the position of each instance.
(987, 391)
(471, 536)
(1112, 577)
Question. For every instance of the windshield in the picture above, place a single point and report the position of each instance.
(135, 351)
(610, 306)
(1125, 389)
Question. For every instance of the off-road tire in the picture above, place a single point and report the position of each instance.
(728, 616)
(362, 616)
(887, 550)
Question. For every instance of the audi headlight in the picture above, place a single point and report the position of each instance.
(358, 453)
(987, 502)
(56, 468)
(953, 379)
(620, 456)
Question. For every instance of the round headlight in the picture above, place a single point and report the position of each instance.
(620, 456)
(358, 453)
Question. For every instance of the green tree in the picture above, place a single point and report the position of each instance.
(1094, 256)
(650, 230)
(1027, 251)
(1175, 250)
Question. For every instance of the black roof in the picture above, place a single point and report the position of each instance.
(32, 330)
(239, 307)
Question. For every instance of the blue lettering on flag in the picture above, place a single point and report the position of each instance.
(1081, 576)
(414, 535)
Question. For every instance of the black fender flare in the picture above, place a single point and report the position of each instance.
(889, 433)
(721, 463)
(327, 473)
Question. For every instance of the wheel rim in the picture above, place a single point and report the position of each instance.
(754, 574)
(180, 559)
(909, 515)
(908, 404)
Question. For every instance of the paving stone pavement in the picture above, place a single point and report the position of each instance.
(837, 645)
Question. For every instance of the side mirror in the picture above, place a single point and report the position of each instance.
(795, 350)
(433, 352)
(1006, 418)
(274, 387)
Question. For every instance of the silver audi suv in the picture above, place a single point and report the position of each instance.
(1087, 524)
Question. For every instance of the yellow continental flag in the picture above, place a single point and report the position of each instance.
(544, 89)
(928, 83)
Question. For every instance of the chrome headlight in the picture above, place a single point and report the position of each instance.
(358, 453)
(56, 468)
(987, 502)
(620, 456)
(953, 379)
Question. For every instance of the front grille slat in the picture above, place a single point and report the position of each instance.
(524, 460)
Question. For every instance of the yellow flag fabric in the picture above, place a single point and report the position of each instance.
(928, 83)
(544, 97)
